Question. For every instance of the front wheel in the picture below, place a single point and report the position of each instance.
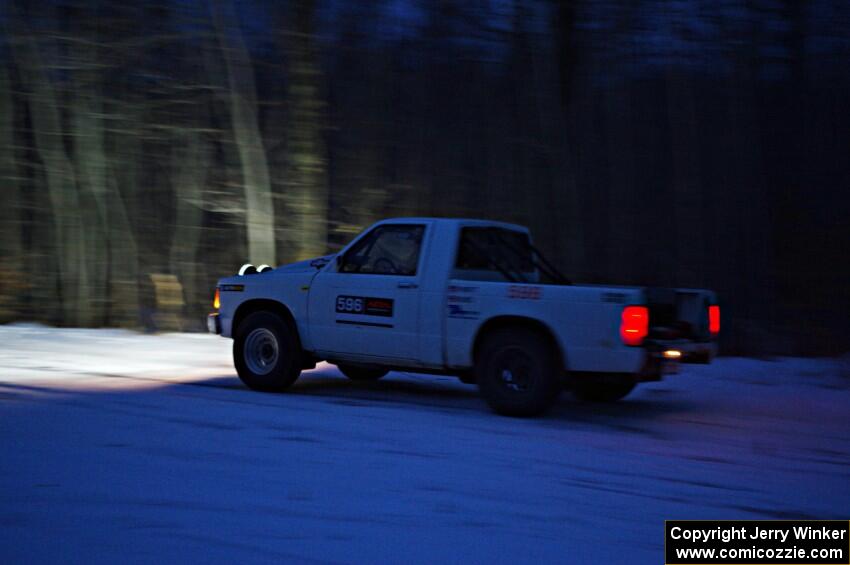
(266, 352)
(518, 372)
(358, 373)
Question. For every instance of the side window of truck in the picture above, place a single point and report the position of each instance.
(494, 254)
(387, 250)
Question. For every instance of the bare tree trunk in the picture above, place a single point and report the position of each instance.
(619, 138)
(259, 205)
(90, 160)
(746, 205)
(586, 149)
(10, 226)
(12, 277)
(123, 284)
(69, 234)
(306, 147)
(190, 166)
(688, 205)
(569, 214)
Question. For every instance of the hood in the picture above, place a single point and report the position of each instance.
(307, 265)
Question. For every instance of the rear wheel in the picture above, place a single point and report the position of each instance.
(604, 389)
(517, 372)
(359, 373)
(266, 352)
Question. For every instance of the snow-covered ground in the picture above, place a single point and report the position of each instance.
(117, 447)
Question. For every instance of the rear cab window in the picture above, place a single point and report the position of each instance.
(495, 254)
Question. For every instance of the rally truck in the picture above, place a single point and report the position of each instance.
(470, 298)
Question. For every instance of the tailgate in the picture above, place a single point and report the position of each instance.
(680, 319)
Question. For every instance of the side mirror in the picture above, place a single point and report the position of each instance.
(339, 260)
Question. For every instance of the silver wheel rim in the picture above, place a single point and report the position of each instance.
(261, 351)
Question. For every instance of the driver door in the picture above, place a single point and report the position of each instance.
(366, 306)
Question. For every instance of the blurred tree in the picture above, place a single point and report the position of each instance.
(567, 47)
(86, 128)
(68, 228)
(11, 244)
(564, 58)
(12, 276)
(746, 194)
(259, 206)
(191, 158)
(307, 191)
(621, 137)
(689, 201)
(659, 142)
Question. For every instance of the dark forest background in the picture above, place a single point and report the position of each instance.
(148, 149)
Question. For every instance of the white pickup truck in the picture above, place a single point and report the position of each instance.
(470, 298)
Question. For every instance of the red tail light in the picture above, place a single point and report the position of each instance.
(714, 319)
(635, 324)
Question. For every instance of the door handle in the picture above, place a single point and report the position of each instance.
(407, 285)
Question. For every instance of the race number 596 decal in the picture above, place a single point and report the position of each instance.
(364, 305)
(349, 304)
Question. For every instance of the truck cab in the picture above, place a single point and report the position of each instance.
(468, 297)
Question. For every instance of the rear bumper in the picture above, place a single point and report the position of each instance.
(692, 351)
(657, 364)
(214, 324)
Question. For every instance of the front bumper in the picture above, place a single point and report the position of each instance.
(214, 324)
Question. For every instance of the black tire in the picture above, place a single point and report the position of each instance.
(358, 373)
(518, 372)
(267, 352)
(604, 389)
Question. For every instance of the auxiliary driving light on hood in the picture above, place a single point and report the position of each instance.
(247, 269)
